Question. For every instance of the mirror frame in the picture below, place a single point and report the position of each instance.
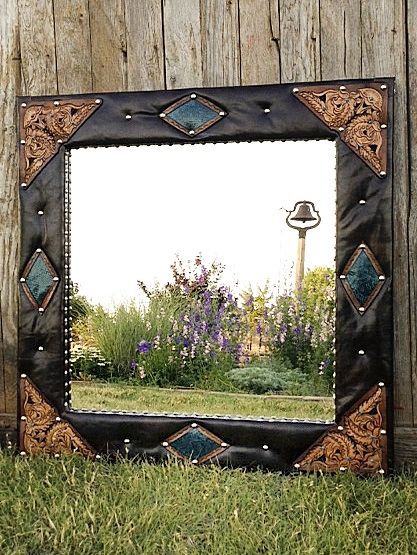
(358, 116)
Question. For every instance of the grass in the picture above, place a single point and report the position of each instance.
(101, 396)
(77, 507)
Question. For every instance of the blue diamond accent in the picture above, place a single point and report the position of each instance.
(39, 280)
(194, 444)
(362, 278)
(192, 115)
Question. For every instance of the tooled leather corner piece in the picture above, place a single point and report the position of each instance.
(358, 444)
(358, 114)
(42, 430)
(44, 126)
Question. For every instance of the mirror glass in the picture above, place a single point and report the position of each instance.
(196, 287)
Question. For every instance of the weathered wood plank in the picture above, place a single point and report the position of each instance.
(9, 213)
(405, 448)
(259, 42)
(37, 46)
(73, 47)
(145, 45)
(182, 33)
(108, 45)
(412, 229)
(300, 40)
(383, 47)
(340, 41)
(220, 43)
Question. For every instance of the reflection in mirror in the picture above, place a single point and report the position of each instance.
(203, 279)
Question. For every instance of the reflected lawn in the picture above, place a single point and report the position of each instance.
(103, 396)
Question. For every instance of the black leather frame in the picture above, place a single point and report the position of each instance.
(246, 120)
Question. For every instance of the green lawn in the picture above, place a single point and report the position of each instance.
(77, 507)
(101, 396)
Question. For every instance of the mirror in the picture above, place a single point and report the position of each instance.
(196, 287)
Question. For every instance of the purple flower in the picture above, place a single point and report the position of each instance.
(249, 302)
(143, 347)
(133, 365)
(297, 331)
(258, 327)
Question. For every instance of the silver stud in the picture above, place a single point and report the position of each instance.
(361, 352)
(193, 95)
(59, 141)
(22, 280)
(381, 471)
(57, 419)
(267, 110)
(24, 185)
(66, 404)
(381, 384)
(341, 129)
(223, 444)
(221, 114)
(361, 309)
(56, 455)
(38, 250)
(23, 105)
(23, 376)
(383, 87)
(162, 115)
(22, 453)
(342, 468)
(40, 348)
(56, 102)
(381, 278)
(194, 425)
(362, 246)
(191, 132)
(342, 88)
(23, 418)
(265, 447)
(382, 174)
(362, 201)
(98, 457)
(295, 90)
(22, 142)
(296, 465)
(126, 440)
(41, 310)
(128, 116)
(383, 432)
(194, 461)
(340, 428)
(98, 101)
(342, 276)
(40, 212)
(384, 126)
(55, 278)
(165, 444)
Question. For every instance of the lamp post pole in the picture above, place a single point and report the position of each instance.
(303, 211)
(301, 253)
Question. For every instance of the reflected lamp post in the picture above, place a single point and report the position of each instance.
(302, 217)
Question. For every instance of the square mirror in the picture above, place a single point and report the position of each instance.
(206, 274)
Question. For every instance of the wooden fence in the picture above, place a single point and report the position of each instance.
(76, 46)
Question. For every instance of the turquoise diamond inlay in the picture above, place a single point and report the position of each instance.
(192, 115)
(194, 443)
(39, 280)
(362, 278)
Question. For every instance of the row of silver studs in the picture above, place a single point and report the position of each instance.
(67, 280)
